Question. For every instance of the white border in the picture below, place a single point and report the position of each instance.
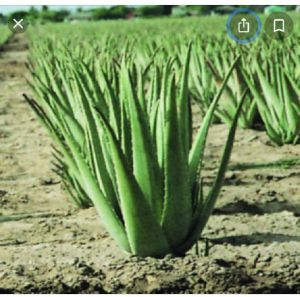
(160, 295)
(149, 2)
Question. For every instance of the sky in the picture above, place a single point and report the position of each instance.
(5, 9)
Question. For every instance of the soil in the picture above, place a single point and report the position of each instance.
(250, 245)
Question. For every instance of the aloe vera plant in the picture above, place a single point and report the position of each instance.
(207, 73)
(124, 142)
(233, 93)
(278, 101)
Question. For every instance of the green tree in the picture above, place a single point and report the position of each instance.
(119, 12)
(19, 14)
(53, 16)
(100, 14)
(150, 10)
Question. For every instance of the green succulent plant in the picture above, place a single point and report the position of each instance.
(123, 143)
(278, 101)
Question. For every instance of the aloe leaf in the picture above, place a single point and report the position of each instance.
(96, 151)
(143, 230)
(110, 219)
(145, 167)
(177, 202)
(197, 150)
(291, 115)
(114, 108)
(204, 209)
(271, 98)
(69, 161)
(160, 131)
(183, 105)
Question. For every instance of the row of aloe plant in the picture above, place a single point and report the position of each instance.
(207, 74)
(210, 60)
(123, 143)
(278, 101)
(271, 74)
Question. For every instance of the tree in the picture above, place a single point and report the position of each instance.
(21, 14)
(114, 12)
(150, 10)
(54, 16)
(33, 14)
(119, 12)
(100, 14)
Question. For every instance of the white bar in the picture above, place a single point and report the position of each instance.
(148, 2)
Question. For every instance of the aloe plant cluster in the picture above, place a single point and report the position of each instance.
(208, 72)
(124, 144)
(278, 101)
(118, 107)
(211, 57)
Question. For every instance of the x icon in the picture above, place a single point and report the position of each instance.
(18, 23)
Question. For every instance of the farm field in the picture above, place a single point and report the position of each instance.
(251, 241)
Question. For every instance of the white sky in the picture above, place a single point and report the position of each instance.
(11, 8)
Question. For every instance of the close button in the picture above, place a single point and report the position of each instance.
(17, 25)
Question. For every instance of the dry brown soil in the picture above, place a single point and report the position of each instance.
(46, 245)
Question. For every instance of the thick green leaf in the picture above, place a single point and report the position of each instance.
(146, 238)
(177, 203)
(204, 208)
(197, 150)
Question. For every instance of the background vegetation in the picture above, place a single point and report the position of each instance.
(46, 14)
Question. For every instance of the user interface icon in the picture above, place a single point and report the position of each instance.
(17, 24)
(243, 25)
(279, 25)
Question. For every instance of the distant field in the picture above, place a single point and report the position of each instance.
(154, 28)
(146, 42)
